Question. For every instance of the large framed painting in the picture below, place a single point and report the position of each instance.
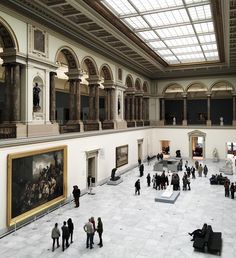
(121, 155)
(36, 181)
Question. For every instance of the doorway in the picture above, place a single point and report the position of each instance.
(140, 149)
(165, 148)
(91, 168)
(197, 145)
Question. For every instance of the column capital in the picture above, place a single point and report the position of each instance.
(95, 80)
(184, 94)
(208, 93)
(74, 74)
(108, 84)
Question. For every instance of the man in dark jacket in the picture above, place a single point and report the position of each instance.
(76, 194)
(141, 169)
(137, 187)
(65, 236)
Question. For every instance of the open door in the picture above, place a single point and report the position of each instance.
(140, 149)
(197, 145)
(92, 157)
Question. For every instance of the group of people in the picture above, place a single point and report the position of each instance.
(229, 188)
(161, 181)
(90, 228)
(67, 230)
(67, 233)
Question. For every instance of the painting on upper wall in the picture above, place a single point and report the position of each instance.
(121, 155)
(36, 181)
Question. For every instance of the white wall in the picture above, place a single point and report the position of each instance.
(77, 148)
(179, 140)
(178, 137)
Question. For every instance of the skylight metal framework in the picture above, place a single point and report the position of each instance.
(179, 31)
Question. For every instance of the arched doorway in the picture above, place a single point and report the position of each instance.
(197, 141)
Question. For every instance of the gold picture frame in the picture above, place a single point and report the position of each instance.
(36, 180)
(122, 155)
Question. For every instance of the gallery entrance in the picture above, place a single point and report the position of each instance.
(165, 148)
(140, 149)
(197, 145)
(91, 168)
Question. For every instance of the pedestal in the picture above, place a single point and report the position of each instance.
(116, 182)
(171, 199)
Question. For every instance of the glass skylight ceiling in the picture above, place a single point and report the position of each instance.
(179, 31)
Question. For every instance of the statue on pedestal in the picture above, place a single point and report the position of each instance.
(228, 167)
(178, 154)
(174, 121)
(113, 177)
(221, 120)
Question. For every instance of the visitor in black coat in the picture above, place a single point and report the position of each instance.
(148, 179)
(137, 187)
(141, 169)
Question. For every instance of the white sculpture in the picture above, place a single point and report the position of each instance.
(174, 121)
(215, 155)
(221, 120)
(228, 167)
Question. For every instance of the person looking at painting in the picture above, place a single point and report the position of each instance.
(76, 195)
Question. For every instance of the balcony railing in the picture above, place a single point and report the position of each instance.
(70, 128)
(7, 131)
(107, 125)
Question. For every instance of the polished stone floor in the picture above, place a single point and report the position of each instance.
(134, 226)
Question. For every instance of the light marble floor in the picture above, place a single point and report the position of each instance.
(134, 226)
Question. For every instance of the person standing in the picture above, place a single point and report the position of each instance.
(94, 227)
(148, 179)
(139, 162)
(137, 187)
(193, 172)
(76, 194)
(55, 236)
(100, 231)
(232, 190)
(226, 186)
(141, 169)
(71, 229)
(200, 168)
(88, 228)
(205, 170)
(65, 236)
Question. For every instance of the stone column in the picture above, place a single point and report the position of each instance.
(132, 107)
(72, 101)
(234, 109)
(96, 102)
(208, 109)
(128, 107)
(185, 122)
(141, 108)
(91, 102)
(77, 100)
(147, 109)
(7, 92)
(163, 109)
(16, 93)
(52, 97)
(112, 106)
(137, 108)
(144, 109)
(106, 104)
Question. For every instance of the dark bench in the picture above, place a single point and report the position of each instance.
(211, 242)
